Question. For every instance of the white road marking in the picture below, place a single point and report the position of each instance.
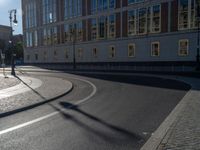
(51, 114)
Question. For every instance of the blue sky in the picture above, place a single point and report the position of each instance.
(5, 6)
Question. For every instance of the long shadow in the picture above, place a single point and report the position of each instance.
(123, 135)
(44, 101)
(140, 80)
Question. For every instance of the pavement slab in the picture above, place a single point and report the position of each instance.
(8, 82)
(50, 88)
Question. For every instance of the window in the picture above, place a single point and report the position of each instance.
(68, 35)
(79, 30)
(72, 8)
(30, 14)
(66, 54)
(187, 14)
(112, 51)
(131, 22)
(131, 50)
(183, 14)
(183, 47)
(111, 28)
(156, 19)
(55, 35)
(102, 27)
(27, 57)
(45, 55)
(80, 53)
(94, 52)
(155, 49)
(36, 57)
(142, 20)
(35, 38)
(134, 1)
(112, 4)
(49, 11)
(93, 6)
(93, 29)
(44, 36)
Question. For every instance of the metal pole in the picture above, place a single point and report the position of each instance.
(74, 50)
(11, 42)
(198, 37)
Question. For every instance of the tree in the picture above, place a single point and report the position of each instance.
(18, 50)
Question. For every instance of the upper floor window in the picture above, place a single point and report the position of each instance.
(101, 5)
(30, 14)
(111, 26)
(102, 27)
(49, 11)
(79, 31)
(93, 28)
(144, 20)
(134, 1)
(187, 14)
(72, 8)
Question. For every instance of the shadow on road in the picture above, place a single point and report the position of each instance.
(140, 80)
(106, 131)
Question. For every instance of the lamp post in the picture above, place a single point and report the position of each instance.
(11, 13)
(198, 34)
(73, 33)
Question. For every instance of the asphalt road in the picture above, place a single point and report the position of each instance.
(116, 113)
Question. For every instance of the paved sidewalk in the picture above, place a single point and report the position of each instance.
(7, 82)
(31, 92)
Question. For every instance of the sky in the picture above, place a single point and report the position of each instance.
(5, 6)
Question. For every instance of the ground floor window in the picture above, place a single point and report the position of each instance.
(80, 53)
(36, 57)
(112, 51)
(183, 47)
(94, 51)
(131, 50)
(27, 57)
(155, 49)
(66, 54)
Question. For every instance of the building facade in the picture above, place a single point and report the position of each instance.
(111, 33)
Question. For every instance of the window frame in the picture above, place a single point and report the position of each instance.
(131, 44)
(179, 47)
(152, 50)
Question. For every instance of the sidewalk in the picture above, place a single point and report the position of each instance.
(7, 82)
(31, 92)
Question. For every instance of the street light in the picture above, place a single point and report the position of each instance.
(198, 34)
(14, 21)
(73, 33)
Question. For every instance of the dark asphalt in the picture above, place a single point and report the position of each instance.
(122, 115)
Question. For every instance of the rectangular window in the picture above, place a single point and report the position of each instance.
(94, 52)
(111, 28)
(131, 50)
(27, 57)
(80, 53)
(155, 49)
(183, 14)
(79, 30)
(112, 4)
(102, 24)
(35, 38)
(45, 55)
(94, 29)
(131, 22)
(30, 14)
(72, 8)
(183, 47)
(49, 11)
(68, 34)
(93, 6)
(112, 51)
(134, 1)
(66, 54)
(36, 57)
(55, 35)
(142, 20)
(44, 37)
(156, 19)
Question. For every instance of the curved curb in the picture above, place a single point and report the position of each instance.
(18, 110)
